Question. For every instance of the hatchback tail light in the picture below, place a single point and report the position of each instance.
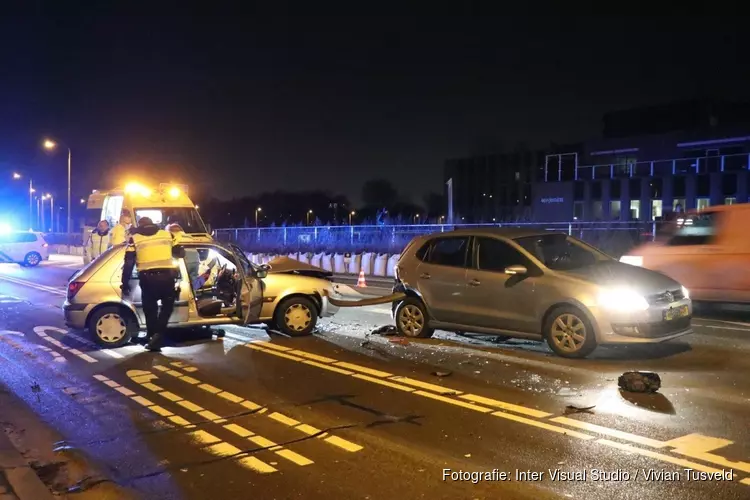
(73, 288)
(45, 245)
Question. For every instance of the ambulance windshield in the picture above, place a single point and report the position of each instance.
(186, 217)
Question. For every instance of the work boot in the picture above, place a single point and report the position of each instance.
(154, 344)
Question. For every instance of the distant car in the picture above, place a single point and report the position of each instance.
(26, 248)
(239, 293)
(537, 285)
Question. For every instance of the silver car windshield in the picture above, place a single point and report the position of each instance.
(561, 252)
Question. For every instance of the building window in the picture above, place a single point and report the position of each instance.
(578, 211)
(614, 189)
(614, 209)
(729, 184)
(678, 187)
(635, 189)
(635, 209)
(703, 186)
(678, 205)
(597, 210)
(579, 190)
(655, 187)
(730, 200)
(702, 203)
(596, 190)
(518, 176)
(656, 209)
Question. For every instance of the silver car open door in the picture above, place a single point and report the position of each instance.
(251, 287)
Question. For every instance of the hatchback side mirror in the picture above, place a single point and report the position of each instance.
(261, 273)
(514, 270)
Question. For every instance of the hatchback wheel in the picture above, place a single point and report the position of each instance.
(296, 316)
(32, 259)
(569, 333)
(411, 319)
(112, 326)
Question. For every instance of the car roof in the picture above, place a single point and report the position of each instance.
(504, 232)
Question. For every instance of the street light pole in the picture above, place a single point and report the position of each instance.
(256, 216)
(69, 212)
(350, 217)
(52, 213)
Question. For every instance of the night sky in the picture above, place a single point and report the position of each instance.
(240, 105)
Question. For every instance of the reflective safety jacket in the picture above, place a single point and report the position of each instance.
(119, 235)
(153, 251)
(98, 243)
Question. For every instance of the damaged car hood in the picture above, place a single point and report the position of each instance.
(285, 265)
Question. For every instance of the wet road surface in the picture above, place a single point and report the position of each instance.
(348, 414)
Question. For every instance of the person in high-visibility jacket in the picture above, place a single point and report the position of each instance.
(152, 252)
(192, 258)
(99, 241)
(120, 231)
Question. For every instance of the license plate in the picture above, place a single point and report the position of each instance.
(675, 313)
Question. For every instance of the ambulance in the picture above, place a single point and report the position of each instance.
(163, 205)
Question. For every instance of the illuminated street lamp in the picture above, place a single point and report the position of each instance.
(416, 219)
(350, 216)
(84, 201)
(257, 211)
(51, 145)
(309, 213)
(17, 176)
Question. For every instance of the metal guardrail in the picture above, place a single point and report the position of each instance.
(615, 237)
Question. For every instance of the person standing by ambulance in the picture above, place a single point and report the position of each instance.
(120, 231)
(152, 251)
(99, 241)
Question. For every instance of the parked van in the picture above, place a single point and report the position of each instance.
(708, 251)
(23, 247)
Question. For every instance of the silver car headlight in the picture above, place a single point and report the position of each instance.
(622, 300)
(685, 293)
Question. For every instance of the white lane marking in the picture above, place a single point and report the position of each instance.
(722, 327)
(41, 333)
(94, 345)
(30, 284)
(10, 332)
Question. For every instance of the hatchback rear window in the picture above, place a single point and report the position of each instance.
(696, 229)
(18, 238)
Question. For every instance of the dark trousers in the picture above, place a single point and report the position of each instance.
(157, 286)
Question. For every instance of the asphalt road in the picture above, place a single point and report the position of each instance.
(350, 414)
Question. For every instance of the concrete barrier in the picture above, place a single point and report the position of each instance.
(392, 260)
(380, 265)
(355, 263)
(304, 257)
(339, 264)
(367, 263)
(326, 262)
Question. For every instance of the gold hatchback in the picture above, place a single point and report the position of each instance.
(217, 285)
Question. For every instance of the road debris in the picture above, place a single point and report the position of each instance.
(399, 340)
(577, 409)
(639, 382)
(441, 374)
(386, 330)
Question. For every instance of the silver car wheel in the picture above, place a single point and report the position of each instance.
(297, 317)
(33, 259)
(411, 320)
(111, 328)
(568, 332)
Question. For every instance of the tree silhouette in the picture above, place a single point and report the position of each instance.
(379, 193)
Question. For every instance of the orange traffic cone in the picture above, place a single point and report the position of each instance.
(361, 281)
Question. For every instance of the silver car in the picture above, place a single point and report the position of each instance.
(536, 285)
(226, 288)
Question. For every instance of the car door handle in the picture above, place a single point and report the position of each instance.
(425, 276)
(475, 283)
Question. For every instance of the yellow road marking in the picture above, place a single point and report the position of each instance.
(506, 406)
(454, 402)
(699, 447)
(542, 425)
(276, 416)
(143, 401)
(691, 449)
(363, 369)
(209, 388)
(145, 377)
(204, 437)
(384, 382)
(314, 357)
(427, 386)
(686, 464)
(325, 367)
(746, 481)
(625, 436)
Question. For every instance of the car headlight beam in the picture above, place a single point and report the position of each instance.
(622, 300)
(685, 293)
